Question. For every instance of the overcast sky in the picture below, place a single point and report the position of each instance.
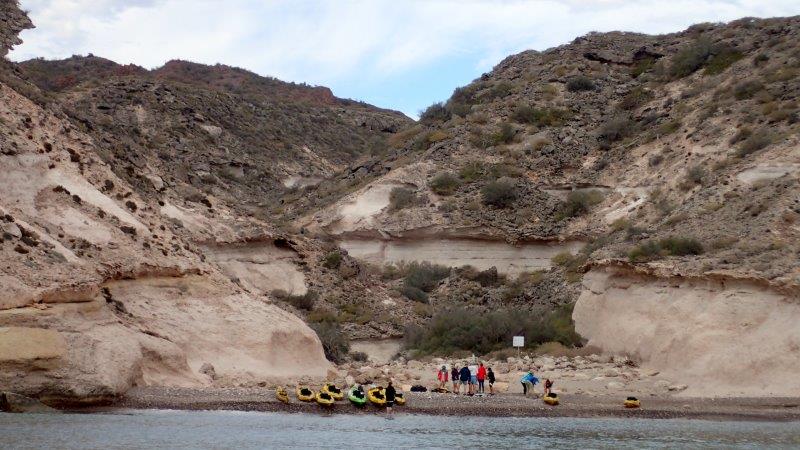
(393, 53)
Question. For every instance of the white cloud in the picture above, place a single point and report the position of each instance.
(323, 42)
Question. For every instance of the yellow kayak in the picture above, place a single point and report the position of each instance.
(399, 399)
(632, 402)
(282, 395)
(305, 394)
(324, 399)
(551, 399)
(333, 391)
(376, 397)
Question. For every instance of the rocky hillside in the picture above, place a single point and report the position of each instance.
(627, 161)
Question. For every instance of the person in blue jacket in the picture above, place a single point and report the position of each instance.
(464, 376)
(528, 380)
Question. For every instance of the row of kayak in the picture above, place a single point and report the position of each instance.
(330, 394)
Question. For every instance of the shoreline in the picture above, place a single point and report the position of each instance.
(500, 405)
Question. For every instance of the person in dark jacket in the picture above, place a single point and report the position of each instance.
(490, 377)
(390, 394)
(464, 376)
(454, 378)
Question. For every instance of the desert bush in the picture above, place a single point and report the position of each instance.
(580, 202)
(541, 117)
(760, 59)
(460, 329)
(332, 260)
(504, 134)
(500, 193)
(322, 316)
(754, 142)
(642, 65)
(668, 127)
(499, 90)
(635, 98)
(747, 89)
(334, 342)
(740, 135)
(580, 83)
(695, 174)
(400, 198)
(655, 160)
(689, 59)
(415, 294)
(723, 57)
(471, 171)
(617, 129)
(444, 183)
(305, 302)
(435, 112)
(670, 246)
(358, 356)
(424, 276)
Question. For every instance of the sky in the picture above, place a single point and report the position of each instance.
(399, 54)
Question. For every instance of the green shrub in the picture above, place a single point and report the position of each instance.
(334, 342)
(435, 112)
(617, 129)
(754, 142)
(332, 260)
(499, 193)
(695, 174)
(415, 294)
(305, 302)
(499, 90)
(471, 171)
(322, 316)
(689, 59)
(400, 198)
(461, 329)
(424, 275)
(541, 117)
(642, 65)
(580, 83)
(444, 183)
(504, 134)
(635, 98)
(740, 135)
(723, 57)
(747, 89)
(358, 356)
(580, 202)
(670, 246)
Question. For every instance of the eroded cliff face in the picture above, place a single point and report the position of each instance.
(102, 289)
(719, 336)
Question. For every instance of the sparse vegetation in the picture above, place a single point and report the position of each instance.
(334, 342)
(305, 302)
(580, 83)
(453, 330)
(332, 260)
(581, 202)
(723, 57)
(670, 246)
(435, 112)
(747, 89)
(754, 142)
(444, 183)
(617, 129)
(421, 279)
(541, 117)
(499, 193)
(635, 98)
(401, 198)
(690, 59)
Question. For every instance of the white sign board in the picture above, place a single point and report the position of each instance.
(519, 341)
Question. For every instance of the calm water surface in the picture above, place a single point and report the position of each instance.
(255, 430)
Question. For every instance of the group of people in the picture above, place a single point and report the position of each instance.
(471, 380)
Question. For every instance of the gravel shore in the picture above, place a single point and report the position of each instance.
(500, 405)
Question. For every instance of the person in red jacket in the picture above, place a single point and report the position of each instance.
(442, 376)
(481, 378)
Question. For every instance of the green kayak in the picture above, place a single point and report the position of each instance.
(356, 397)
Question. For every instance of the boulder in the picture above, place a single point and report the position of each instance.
(15, 403)
(615, 385)
(208, 370)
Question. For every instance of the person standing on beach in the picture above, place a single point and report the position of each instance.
(490, 377)
(390, 394)
(454, 378)
(473, 378)
(442, 376)
(548, 386)
(528, 380)
(481, 378)
(463, 375)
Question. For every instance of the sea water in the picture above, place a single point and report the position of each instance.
(257, 430)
